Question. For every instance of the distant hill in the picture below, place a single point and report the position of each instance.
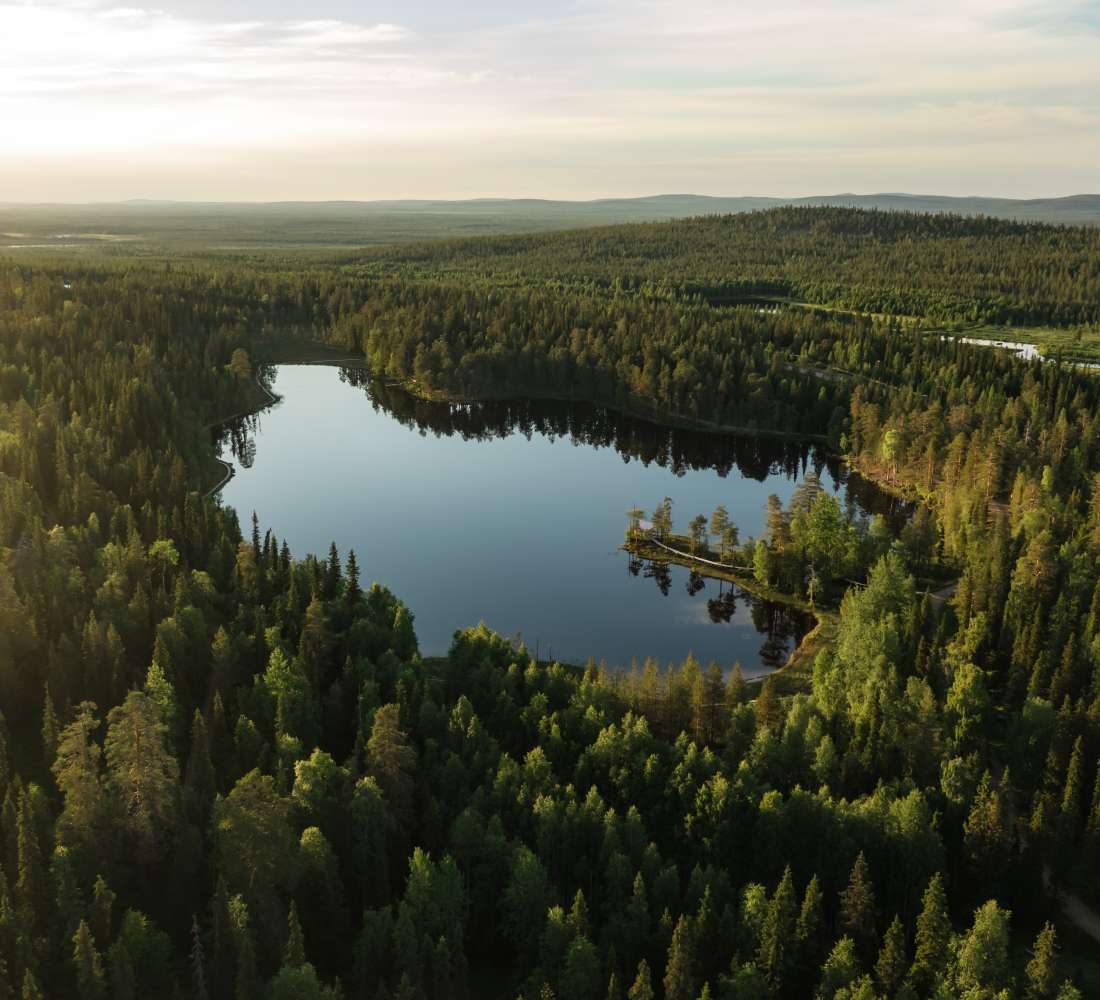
(153, 226)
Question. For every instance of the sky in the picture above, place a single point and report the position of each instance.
(373, 99)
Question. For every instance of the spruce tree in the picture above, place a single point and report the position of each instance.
(773, 953)
(31, 893)
(892, 963)
(1042, 969)
(294, 955)
(88, 964)
(680, 970)
(857, 906)
(642, 989)
(933, 937)
(50, 728)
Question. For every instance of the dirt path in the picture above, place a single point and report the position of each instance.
(1080, 914)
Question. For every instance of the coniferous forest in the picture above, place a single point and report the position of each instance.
(227, 772)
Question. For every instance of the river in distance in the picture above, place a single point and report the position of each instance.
(513, 513)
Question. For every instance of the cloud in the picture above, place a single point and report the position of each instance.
(707, 91)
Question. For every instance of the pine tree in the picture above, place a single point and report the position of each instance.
(892, 963)
(857, 906)
(983, 961)
(933, 937)
(199, 783)
(772, 955)
(578, 915)
(88, 964)
(987, 835)
(352, 590)
(1069, 820)
(77, 772)
(31, 990)
(50, 728)
(123, 977)
(809, 933)
(294, 955)
(100, 912)
(142, 775)
(31, 893)
(198, 963)
(680, 970)
(1042, 970)
(642, 989)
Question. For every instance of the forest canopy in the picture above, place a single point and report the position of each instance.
(226, 771)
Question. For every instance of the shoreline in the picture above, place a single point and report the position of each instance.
(801, 657)
(229, 467)
(660, 417)
(800, 660)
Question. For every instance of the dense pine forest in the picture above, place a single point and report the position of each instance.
(227, 772)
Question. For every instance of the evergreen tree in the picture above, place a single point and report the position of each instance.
(857, 906)
(679, 978)
(772, 955)
(1042, 969)
(88, 964)
(933, 937)
(642, 988)
(294, 955)
(892, 964)
(983, 961)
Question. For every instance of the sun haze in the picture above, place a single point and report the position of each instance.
(241, 100)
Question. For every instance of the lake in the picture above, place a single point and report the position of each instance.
(514, 513)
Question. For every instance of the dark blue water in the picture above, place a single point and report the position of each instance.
(513, 513)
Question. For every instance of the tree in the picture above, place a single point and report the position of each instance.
(200, 781)
(31, 892)
(662, 518)
(1042, 971)
(352, 590)
(987, 835)
(841, 968)
(294, 954)
(857, 906)
(240, 365)
(391, 760)
(680, 970)
(892, 963)
(88, 964)
(142, 776)
(256, 847)
(164, 554)
(198, 962)
(772, 956)
(77, 771)
(698, 532)
(580, 977)
(50, 727)
(769, 711)
(983, 953)
(933, 936)
(642, 988)
(809, 931)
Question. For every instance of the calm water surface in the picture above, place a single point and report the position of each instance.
(513, 513)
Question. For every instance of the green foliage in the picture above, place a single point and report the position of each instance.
(343, 809)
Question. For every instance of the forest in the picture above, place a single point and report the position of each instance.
(226, 771)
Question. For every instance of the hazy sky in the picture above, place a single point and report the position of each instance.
(236, 99)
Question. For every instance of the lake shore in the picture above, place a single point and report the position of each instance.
(795, 673)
